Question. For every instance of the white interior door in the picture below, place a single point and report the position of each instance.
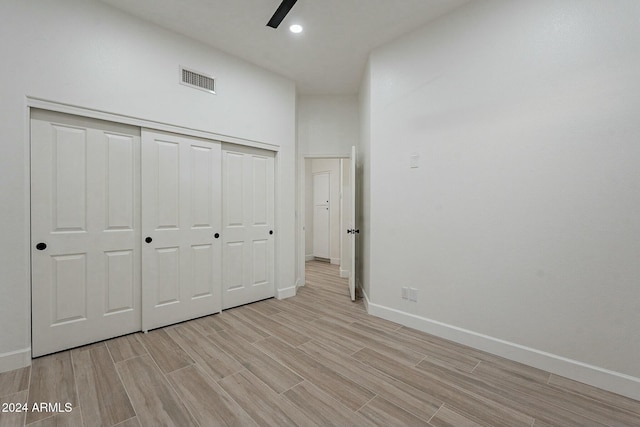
(181, 251)
(248, 219)
(321, 215)
(353, 226)
(84, 230)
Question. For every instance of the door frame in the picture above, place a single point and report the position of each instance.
(301, 211)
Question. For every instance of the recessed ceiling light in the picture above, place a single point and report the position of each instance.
(295, 28)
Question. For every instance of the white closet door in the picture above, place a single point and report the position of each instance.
(248, 219)
(181, 254)
(85, 231)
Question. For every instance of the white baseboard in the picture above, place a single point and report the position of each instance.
(344, 273)
(365, 298)
(615, 382)
(335, 261)
(299, 283)
(15, 359)
(286, 292)
(309, 257)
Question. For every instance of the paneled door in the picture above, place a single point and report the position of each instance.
(321, 214)
(84, 230)
(248, 219)
(181, 244)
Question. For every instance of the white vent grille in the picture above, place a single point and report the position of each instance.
(197, 80)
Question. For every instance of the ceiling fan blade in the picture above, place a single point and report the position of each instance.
(280, 13)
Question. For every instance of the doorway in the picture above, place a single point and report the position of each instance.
(324, 210)
(328, 213)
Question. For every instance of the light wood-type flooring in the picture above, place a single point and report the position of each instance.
(314, 359)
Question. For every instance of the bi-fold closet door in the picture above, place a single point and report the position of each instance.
(134, 230)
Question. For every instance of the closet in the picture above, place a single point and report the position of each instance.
(134, 229)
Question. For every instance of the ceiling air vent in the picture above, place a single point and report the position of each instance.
(197, 80)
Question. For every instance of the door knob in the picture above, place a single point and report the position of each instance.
(349, 231)
(148, 240)
(356, 231)
(216, 235)
(270, 231)
(41, 246)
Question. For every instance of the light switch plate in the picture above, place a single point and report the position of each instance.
(414, 159)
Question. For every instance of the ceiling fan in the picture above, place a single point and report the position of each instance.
(280, 13)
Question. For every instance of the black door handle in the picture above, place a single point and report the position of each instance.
(148, 240)
(216, 235)
(349, 231)
(41, 246)
(357, 231)
(270, 231)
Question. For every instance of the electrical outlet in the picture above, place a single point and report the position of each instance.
(413, 294)
(405, 293)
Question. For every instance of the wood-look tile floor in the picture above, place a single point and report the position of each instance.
(316, 359)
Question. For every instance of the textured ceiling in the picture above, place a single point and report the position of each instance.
(327, 58)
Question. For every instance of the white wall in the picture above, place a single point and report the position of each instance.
(327, 124)
(87, 54)
(363, 187)
(520, 228)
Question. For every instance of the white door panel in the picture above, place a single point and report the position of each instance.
(180, 217)
(120, 282)
(201, 256)
(84, 191)
(247, 218)
(321, 231)
(321, 215)
(321, 188)
(166, 263)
